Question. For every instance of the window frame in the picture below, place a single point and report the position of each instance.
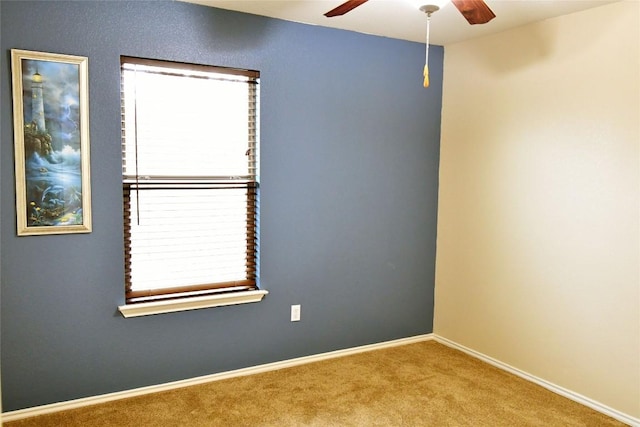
(179, 298)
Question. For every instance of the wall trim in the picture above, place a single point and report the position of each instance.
(110, 397)
(576, 397)
(191, 303)
(104, 398)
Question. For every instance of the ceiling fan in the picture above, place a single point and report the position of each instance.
(474, 11)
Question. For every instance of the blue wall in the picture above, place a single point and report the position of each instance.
(350, 146)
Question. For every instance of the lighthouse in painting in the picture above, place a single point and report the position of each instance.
(37, 102)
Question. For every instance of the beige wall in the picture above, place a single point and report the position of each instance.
(538, 234)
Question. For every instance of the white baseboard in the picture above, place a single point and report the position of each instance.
(94, 400)
(622, 417)
(104, 398)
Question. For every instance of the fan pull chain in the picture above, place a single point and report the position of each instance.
(425, 73)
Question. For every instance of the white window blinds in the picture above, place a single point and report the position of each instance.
(190, 179)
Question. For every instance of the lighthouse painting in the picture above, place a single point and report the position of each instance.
(51, 136)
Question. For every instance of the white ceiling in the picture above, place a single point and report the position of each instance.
(401, 19)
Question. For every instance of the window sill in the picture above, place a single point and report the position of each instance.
(192, 303)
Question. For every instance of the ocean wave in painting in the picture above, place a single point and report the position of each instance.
(54, 188)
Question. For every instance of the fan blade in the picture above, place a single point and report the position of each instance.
(475, 11)
(344, 8)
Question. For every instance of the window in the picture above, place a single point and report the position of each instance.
(190, 184)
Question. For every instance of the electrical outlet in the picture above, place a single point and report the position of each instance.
(295, 313)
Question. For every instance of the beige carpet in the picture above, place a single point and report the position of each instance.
(422, 384)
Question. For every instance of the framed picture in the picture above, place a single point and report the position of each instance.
(51, 138)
